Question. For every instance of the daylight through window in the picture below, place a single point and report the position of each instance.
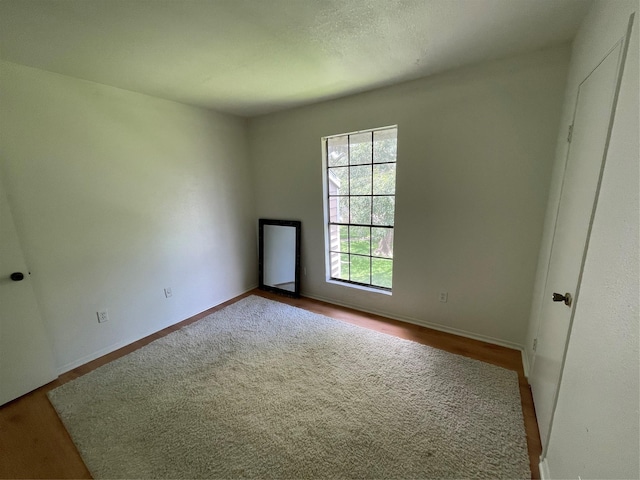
(360, 204)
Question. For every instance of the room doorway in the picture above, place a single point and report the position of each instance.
(26, 355)
(589, 138)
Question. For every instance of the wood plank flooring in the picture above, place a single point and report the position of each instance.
(35, 444)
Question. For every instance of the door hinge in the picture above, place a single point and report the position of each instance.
(535, 344)
(570, 134)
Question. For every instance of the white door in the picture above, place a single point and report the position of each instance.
(26, 356)
(587, 151)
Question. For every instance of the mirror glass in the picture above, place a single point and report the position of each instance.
(280, 256)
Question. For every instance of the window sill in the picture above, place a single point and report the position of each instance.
(359, 287)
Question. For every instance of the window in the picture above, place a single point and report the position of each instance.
(360, 187)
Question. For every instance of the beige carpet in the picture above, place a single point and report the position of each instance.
(261, 389)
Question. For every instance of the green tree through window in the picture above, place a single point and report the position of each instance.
(360, 195)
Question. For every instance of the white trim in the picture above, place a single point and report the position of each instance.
(123, 343)
(359, 287)
(544, 469)
(422, 323)
(462, 333)
(622, 45)
(356, 132)
(525, 363)
(327, 207)
(103, 351)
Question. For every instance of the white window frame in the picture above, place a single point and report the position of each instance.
(326, 209)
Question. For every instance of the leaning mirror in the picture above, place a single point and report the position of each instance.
(280, 256)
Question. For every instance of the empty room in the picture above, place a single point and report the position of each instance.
(319, 239)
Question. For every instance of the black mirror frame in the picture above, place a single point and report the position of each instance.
(297, 224)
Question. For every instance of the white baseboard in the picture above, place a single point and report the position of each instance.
(442, 328)
(123, 343)
(422, 323)
(544, 469)
(103, 351)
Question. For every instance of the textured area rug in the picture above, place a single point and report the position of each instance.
(261, 389)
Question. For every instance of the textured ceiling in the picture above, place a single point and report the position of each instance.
(249, 57)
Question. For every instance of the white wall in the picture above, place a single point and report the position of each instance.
(475, 149)
(595, 431)
(117, 195)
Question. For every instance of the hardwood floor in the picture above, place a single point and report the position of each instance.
(34, 443)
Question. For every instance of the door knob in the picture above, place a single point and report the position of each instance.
(17, 276)
(566, 298)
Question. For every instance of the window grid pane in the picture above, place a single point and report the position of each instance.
(360, 148)
(361, 206)
(338, 151)
(361, 269)
(385, 145)
(360, 212)
(338, 209)
(360, 180)
(338, 180)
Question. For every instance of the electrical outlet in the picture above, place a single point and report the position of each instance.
(103, 316)
(167, 292)
(444, 296)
